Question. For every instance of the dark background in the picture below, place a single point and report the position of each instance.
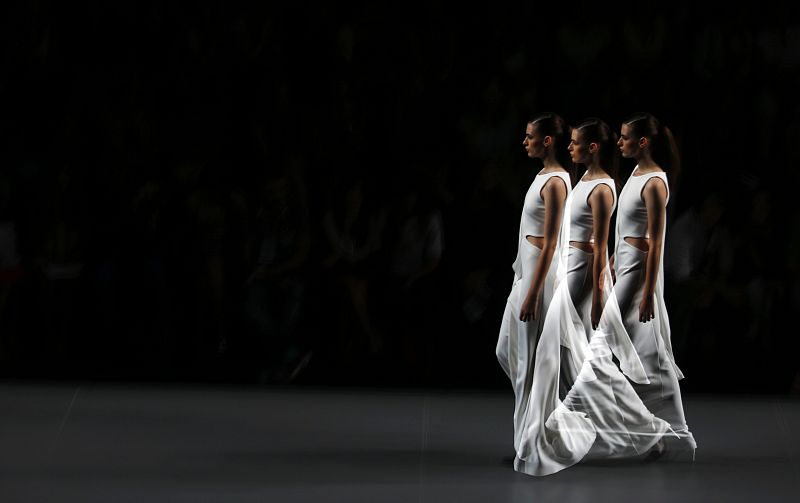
(330, 195)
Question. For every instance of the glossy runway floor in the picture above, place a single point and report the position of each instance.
(122, 443)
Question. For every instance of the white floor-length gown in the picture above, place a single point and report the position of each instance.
(517, 340)
(652, 340)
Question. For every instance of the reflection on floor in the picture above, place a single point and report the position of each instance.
(88, 442)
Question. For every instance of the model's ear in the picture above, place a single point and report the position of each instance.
(547, 141)
(643, 142)
(594, 147)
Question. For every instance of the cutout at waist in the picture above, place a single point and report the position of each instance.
(537, 241)
(583, 246)
(640, 243)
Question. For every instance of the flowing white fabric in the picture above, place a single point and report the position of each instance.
(517, 339)
(580, 402)
(661, 394)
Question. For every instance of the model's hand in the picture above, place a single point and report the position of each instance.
(530, 307)
(646, 309)
(597, 310)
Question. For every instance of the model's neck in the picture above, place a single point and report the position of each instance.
(594, 170)
(646, 163)
(551, 164)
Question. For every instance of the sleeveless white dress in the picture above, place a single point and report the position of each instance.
(581, 404)
(652, 340)
(517, 340)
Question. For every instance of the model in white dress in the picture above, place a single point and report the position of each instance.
(639, 266)
(651, 337)
(532, 287)
(581, 404)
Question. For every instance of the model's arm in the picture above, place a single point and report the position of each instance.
(601, 200)
(554, 194)
(654, 195)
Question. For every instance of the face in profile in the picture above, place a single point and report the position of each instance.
(578, 149)
(628, 145)
(533, 142)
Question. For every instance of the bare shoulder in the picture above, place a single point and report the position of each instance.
(554, 187)
(655, 191)
(601, 194)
